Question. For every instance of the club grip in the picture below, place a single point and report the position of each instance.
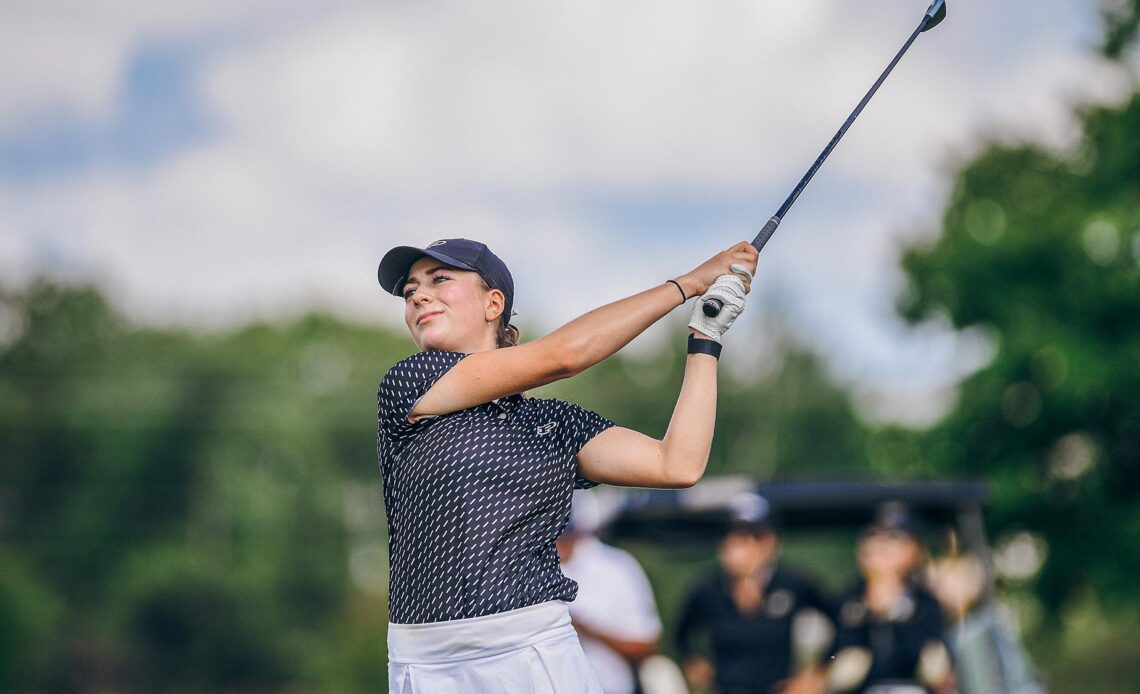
(766, 233)
(712, 307)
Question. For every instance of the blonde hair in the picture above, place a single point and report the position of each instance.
(508, 333)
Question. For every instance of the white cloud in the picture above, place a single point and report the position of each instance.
(59, 69)
(451, 96)
(532, 95)
(67, 58)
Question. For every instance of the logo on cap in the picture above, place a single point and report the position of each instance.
(436, 243)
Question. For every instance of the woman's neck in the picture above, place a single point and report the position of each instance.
(479, 346)
(482, 343)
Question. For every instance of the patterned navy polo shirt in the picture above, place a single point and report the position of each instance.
(476, 498)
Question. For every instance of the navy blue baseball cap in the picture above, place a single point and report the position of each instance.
(894, 518)
(458, 253)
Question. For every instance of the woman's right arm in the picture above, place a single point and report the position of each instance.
(573, 348)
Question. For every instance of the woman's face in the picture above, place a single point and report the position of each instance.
(742, 553)
(888, 553)
(448, 309)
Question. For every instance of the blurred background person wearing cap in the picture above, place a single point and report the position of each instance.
(614, 613)
(750, 613)
(890, 629)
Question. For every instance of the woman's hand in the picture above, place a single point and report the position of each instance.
(728, 293)
(698, 281)
(699, 673)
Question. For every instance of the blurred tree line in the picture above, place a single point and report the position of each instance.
(182, 511)
(172, 505)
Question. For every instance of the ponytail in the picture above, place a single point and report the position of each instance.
(508, 335)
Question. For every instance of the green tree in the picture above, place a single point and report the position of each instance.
(1121, 20)
(1042, 251)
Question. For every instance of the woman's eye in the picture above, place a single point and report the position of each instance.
(440, 278)
(408, 293)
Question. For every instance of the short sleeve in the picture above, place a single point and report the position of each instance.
(579, 425)
(404, 385)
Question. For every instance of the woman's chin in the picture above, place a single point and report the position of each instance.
(446, 339)
(433, 341)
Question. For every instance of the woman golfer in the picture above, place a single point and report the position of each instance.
(478, 477)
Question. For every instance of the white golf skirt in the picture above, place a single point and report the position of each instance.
(534, 649)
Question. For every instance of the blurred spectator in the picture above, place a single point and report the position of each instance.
(890, 629)
(747, 610)
(988, 658)
(614, 613)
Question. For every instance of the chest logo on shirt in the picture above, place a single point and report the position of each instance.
(544, 429)
(779, 604)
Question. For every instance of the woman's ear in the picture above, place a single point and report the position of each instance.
(496, 303)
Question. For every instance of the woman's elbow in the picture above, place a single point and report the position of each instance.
(557, 357)
(559, 365)
(567, 360)
(686, 476)
(547, 363)
(689, 480)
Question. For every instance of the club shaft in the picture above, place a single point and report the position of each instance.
(770, 228)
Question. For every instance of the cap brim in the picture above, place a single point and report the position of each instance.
(393, 270)
(896, 530)
(757, 527)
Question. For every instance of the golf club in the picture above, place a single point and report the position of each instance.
(934, 16)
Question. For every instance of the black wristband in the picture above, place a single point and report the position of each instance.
(699, 346)
(677, 284)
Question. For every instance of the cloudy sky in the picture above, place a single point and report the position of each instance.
(212, 162)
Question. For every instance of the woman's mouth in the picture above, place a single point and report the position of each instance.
(427, 316)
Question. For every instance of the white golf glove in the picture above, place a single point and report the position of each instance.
(729, 291)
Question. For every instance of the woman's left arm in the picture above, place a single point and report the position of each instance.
(627, 458)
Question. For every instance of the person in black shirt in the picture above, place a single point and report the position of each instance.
(478, 478)
(890, 630)
(746, 611)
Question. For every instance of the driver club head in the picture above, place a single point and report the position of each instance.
(935, 14)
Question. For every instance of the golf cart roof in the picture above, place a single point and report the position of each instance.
(703, 512)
